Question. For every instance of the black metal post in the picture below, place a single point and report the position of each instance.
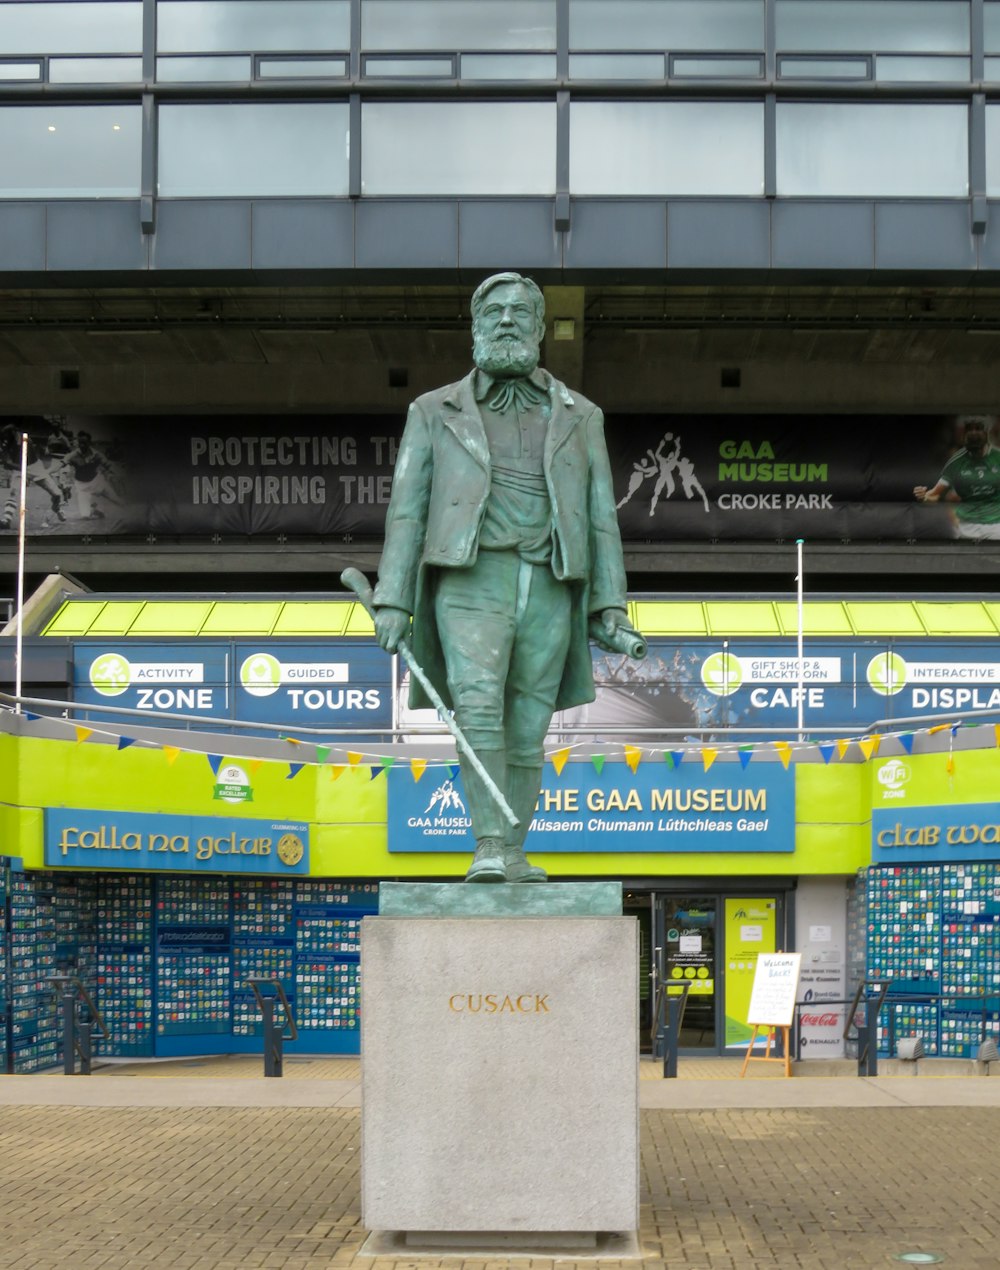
(85, 1032)
(69, 1031)
(273, 1040)
(868, 1040)
(675, 1008)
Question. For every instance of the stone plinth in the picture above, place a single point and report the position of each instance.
(500, 1073)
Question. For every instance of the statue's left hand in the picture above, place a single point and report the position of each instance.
(391, 625)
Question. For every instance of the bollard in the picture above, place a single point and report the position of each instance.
(868, 1040)
(675, 1008)
(273, 1040)
(69, 1032)
(85, 1033)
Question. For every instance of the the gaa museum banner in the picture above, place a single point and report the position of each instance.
(727, 808)
(691, 477)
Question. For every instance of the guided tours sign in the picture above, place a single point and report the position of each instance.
(653, 809)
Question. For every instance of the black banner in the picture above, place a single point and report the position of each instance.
(677, 477)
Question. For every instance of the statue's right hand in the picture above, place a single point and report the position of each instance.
(391, 625)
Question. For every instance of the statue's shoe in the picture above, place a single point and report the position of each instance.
(519, 868)
(488, 863)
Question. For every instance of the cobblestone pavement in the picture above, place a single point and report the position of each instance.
(216, 1188)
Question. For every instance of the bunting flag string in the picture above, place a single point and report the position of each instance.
(560, 758)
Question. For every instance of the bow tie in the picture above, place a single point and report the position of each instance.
(519, 393)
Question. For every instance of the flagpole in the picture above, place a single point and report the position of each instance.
(20, 570)
(798, 545)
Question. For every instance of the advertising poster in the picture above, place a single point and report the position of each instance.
(936, 808)
(158, 678)
(750, 926)
(676, 477)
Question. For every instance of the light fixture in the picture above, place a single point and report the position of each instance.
(52, 127)
(910, 1048)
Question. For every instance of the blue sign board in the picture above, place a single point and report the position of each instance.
(183, 844)
(915, 835)
(326, 684)
(655, 809)
(159, 678)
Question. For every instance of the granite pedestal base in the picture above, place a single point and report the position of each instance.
(500, 1074)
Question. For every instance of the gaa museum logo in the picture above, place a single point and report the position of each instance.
(445, 814)
(893, 776)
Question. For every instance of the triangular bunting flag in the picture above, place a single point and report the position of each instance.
(83, 733)
(784, 749)
(868, 745)
(336, 770)
(418, 766)
(353, 758)
(708, 756)
(842, 748)
(375, 771)
(321, 752)
(291, 740)
(125, 741)
(746, 754)
(255, 765)
(906, 741)
(387, 761)
(949, 767)
(597, 760)
(453, 771)
(31, 717)
(938, 727)
(633, 756)
(293, 770)
(826, 749)
(674, 758)
(171, 752)
(214, 762)
(559, 759)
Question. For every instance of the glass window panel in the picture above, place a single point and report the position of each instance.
(508, 66)
(202, 70)
(70, 151)
(71, 28)
(868, 26)
(699, 25)
(438, 147)
(927, 70)
(409, 66)
(616, 66)
(223, 26)
(629, 147)
(992, 68)
(95, 70)
(823, 68)
(716, 67)
(256, 148)
(398, 25)
(993, 151)
(991, 28)
(301, 68)
(20, 70)
(867, 150)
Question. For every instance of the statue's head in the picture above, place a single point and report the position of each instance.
(508, 323)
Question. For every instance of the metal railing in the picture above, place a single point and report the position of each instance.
(80, 1015)
(270, 992)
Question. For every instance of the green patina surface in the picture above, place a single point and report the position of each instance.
(541, 899)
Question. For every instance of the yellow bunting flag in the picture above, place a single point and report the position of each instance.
(842, 748)
(949, 767)
(940, 727)
(784, 749)
(559, 760)
(171, 751)
(83, 733)
(292, 740)
(996, 729)
(868, 745)
(336, 771)
(255, 765)
(418, 766)
(708, 756)
(633, 756)
(353, 758)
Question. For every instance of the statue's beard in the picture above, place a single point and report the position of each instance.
(507, 356)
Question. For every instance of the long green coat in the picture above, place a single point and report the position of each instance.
(439, 494)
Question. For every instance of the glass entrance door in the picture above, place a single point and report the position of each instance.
(689, 957)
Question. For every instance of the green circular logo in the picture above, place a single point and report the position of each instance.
(110, 674)
(260, 674)
(887, 674)
(722, 674)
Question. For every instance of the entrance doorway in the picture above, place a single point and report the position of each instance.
(689, 958)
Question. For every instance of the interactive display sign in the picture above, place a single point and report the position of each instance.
(654, 809)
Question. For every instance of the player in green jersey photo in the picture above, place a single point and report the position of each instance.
(970, 482)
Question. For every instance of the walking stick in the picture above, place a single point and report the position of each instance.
(356, 581)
